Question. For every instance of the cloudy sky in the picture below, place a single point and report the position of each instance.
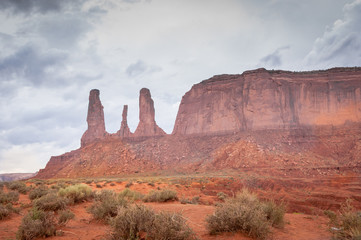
(53, 52)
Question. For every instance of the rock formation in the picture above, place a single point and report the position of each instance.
(124, 131)
(262, 99)
(95, 120)
(147, 125)
(280, 122)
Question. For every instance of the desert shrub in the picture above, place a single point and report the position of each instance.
(98, 186)
(65, 216)
(131, 195)
(10, 197)
(221, 196)
(194, 200)
(275, 213)
(77, 193)
(19, 186)
(130, 222)
(332, 216)
(36, 223)
(38, 192)
(138, 222)
(4, 211)
(59, 185)
(106, 205)
(50, 202)
(128, 184)
(112, 184)
(151, 184)
(349, 222)
(241, 214)
(160, 196)
(89, 182)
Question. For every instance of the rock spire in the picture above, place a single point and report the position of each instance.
(147, 125)
(124, 130)
(95, 119)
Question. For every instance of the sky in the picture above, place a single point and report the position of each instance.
(52, 53)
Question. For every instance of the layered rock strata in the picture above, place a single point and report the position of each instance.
(267, 121)
(262, 99)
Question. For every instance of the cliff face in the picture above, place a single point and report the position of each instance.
(275, 121)
(264, 99)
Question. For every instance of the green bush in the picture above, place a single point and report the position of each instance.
(50, 202)
(160, 196)
(19, 186)
(241, 214)
(130, 195)
(36, 223)
(106, 205)
(77, 193)
(38, 192)
(10, 197)
(65, 216)
(275, 213)
(138, 222)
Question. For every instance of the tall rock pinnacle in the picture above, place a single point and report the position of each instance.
(95, 119)
(147, 125)
(124, 130)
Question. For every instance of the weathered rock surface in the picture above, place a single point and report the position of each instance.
(124, 131)
(147, 126)
(283, 123)
(95, 119)
(262, 99)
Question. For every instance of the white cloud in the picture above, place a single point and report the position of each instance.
(340, 44)
(52, 55)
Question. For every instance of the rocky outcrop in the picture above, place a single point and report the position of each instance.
(95, 120)
(147, 125)
(262, 99)
(278, 122)
(124, 131)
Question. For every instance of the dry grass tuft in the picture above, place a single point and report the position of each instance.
(160, 196)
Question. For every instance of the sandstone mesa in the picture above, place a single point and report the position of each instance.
(279, 122)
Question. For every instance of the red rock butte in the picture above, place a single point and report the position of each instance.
(275, 121)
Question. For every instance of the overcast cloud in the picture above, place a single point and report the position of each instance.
(52, 53)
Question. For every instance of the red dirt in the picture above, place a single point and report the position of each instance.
(310, 196)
